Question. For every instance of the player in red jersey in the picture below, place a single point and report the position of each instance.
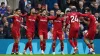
(90, 33)
(58, 31)
(43, 28)
(15, 30)
(73, 21)
(30, 30)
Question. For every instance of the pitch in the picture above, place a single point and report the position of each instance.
(53, 55)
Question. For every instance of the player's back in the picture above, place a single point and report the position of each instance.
(73, 19)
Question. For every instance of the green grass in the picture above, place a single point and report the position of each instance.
(54, 55)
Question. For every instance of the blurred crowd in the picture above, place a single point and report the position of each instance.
(51, 7)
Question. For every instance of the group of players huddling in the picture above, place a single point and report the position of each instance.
(60, 24)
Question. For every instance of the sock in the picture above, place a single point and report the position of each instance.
(30, 46)
(16, 47)
(44, 46)
(89, 46)
(53, 47)
(75, 42)
(13, 50)
(26, 46)
(62, 46)
(41, 45)
(72, 43)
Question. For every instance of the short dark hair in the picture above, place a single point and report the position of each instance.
(43, 10)
(17, 9)
(2, 3)
(87, 9)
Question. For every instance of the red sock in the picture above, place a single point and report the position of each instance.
(75, 42)
(72, 43)
(53, 47)
(30, 46)
(13, 50)
(89, 46)
(41, 45)
(62, 46)
(44, 46)
(26, 46)
(16, 47)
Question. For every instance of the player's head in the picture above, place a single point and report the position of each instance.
(58, 12)
(18, 11)
(67, 10)
(32, 10)
(87, 10)
(44, 12)
(73, 8)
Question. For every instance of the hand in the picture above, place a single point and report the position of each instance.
(25, 27)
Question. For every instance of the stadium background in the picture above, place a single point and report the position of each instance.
(10, 5)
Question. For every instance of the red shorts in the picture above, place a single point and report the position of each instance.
(44, 33)
(30, 33)
(90, 34)
(15, 33)
(58, 34)
(73, 34)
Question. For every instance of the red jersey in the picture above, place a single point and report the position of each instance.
(92, 20)
(43, 23)
(30, 22)
(16, 22)
(92, 23)
(58, 24)
(73, 20)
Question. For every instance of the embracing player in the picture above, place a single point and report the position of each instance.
(30, 30)
(90, 33)
(43, 28)
(15, 30)
(58, 24)
(73, 21)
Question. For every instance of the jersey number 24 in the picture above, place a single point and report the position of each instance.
(74, 18)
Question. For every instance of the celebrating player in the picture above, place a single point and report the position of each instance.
(57, 31)
(15, 30)
(90, 33)
(73, 20)
(30, 29)
(43, 28)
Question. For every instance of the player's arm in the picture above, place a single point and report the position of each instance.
(23, 26)
(64, 25)
(51, 17)
(10, 16)
(87, 22)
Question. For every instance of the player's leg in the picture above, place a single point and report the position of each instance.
(92, 35)
(16, 45)
(16, 41)
(54, 42)
(61, 37)
(75, 42)
(70, 38)
(87, 41)
(44, 40)
(75, 48)
(29, 43)
(41, 41)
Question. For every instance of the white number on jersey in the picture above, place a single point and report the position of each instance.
(74, 19)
